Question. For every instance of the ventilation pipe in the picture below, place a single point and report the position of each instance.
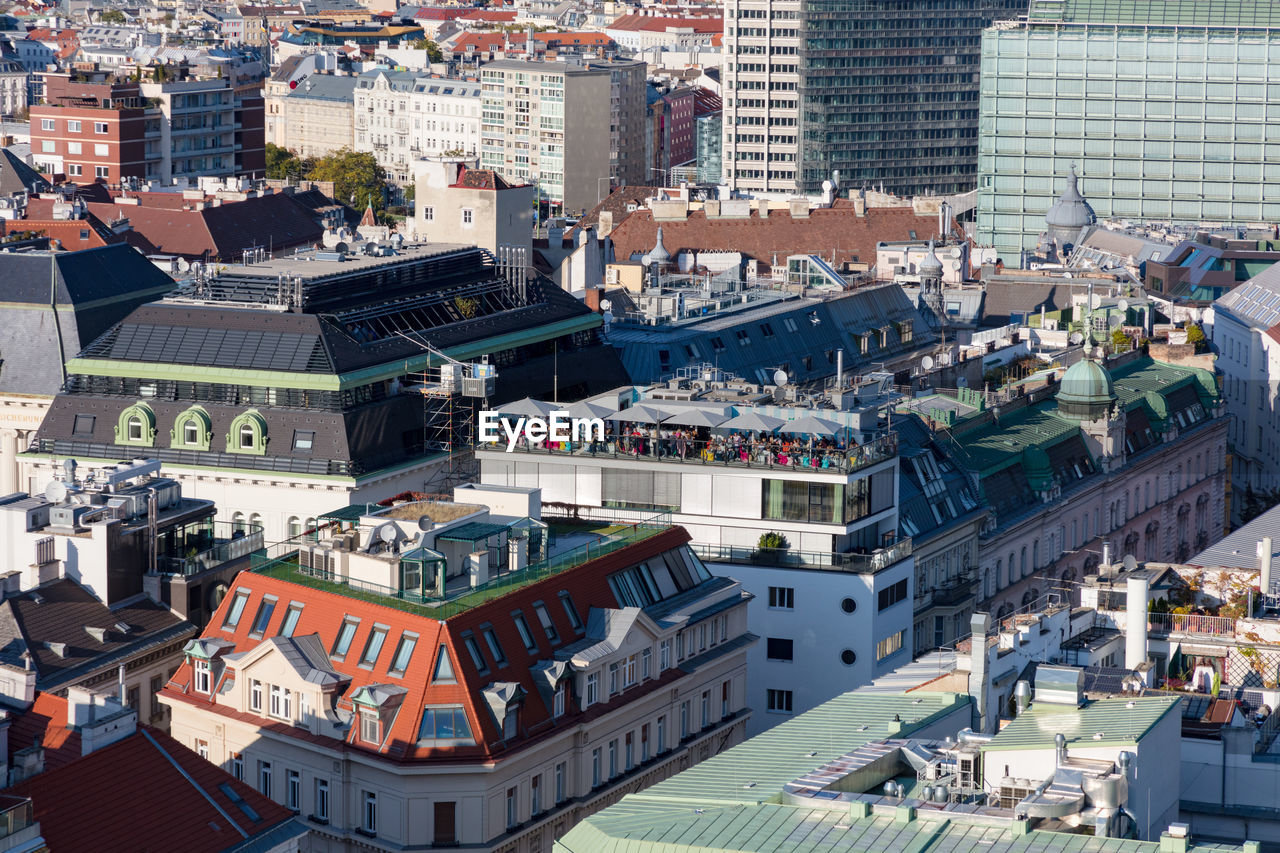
(978, 626)
(1106, 552)
(1022, 697)
(1135, 644)
(1264, 565)
(840, 375)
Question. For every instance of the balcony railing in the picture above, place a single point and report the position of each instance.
(771, 455)
(1191, 623)
(234, 544)
(876, 561)
(15, 817)
(949, 592)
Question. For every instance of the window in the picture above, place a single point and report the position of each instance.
(292, 790)
(237, 766)
(190, 432)
(202, 749)
(511, 722)
(891, 595)
(593, 688)
(473, 648)
(428, 214)
(74, 147)
(779, 649)
(629, 667)
(661, 745)
(706, 708)
(595, 768)
(561, 769)
(782, 597)
(370, 726)
(280, 697)
(46, 124)
(684, 720)
(889, 645)
(134, 431)
(444, 723)
(535, 795)
(303, 439)
(558, 701)
(495, 648)
(264, 777)
(629, 751)
(613, 758)
(544, 618)
(83, 425)
(369, 816)
(526, 636)
(726, 692)
(290, 621)
(646, 664)
(404, 651)
(202, 675)
(443, 673)
(613, 679)
(255, 695)
(778, 701)
(246, 437)
(263, 617)
(346, 634)
(100, 150)
(373, 646)
(322, 800)
(99, 127)
(48, 146)
(467, 215)
(572, 612)
(664, 656)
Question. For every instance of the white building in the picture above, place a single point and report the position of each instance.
(401, 116)
(1246, 335)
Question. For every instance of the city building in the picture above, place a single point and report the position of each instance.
(463, 673)
(529, 136)
(317, 116)
(1166, 122)
(40, 331)
(93, 127)
(401, 116)
(1246, 338)
(670, 138)
(310, 375)
(647, 29)
(1187, 279)
(13, 87)
(831, 598)
(457, 202)
(886, 96)
(708, 120)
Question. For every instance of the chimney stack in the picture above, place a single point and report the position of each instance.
(978, 667)
(1135, 642)
(1264, 566)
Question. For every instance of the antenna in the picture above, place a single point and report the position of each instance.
(388, 533)
(780, 377)
(55, 492)
(926, 363)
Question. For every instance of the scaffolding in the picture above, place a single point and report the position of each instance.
(452, 394)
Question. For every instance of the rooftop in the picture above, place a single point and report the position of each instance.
(1101, 722)
(1180, 13)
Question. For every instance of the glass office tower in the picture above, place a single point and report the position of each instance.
(1168, 110)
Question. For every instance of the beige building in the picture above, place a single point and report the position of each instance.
(401, 116)
(458, 203)
(315, 117)
(483, 689)
(546, 123)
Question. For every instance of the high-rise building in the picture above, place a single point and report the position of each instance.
(1164, 108)
(882, 92)
(537, 117)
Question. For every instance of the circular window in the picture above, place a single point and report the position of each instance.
(848, 605)
(848, 658)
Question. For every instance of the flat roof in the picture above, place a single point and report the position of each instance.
(306, 265)
(1100, 722)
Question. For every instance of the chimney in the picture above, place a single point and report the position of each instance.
(1106, 552)
(605, 223)
(978, 626)
(1135, 642)
(592, 298)
(1264, 565)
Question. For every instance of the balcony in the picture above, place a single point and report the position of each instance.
(210, 545)
(949, 593)
(765, 455)
(872, 563)
(16, 815)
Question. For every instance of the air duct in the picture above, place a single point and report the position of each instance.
(1135, 644)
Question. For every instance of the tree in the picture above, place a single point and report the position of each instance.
(1120, 341)
(112, 16)
(1195, 336)
(773, 540)
(434, 53)
(281, 162)
(357, 178)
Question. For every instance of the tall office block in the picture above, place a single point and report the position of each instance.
(883, 91)
(1167, 110)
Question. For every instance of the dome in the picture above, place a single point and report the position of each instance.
(1070, 212)
(1086, 392)
(931, 265)
(658, 254)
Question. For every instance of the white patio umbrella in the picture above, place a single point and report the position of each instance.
(696, 418)
(527, 408)
(587, 409)
(639, 414)
(752, 422)
(811, 424)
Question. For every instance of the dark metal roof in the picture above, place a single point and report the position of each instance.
(472, 531)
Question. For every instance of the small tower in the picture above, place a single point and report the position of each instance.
(1087, 395)
(1069, 215)
(655, 258)
(930, 299)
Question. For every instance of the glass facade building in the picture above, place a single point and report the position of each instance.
(709, 129)
(1164, 116)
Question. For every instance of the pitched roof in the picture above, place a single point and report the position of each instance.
(661, 24)
(205, 810)
(45, 723)
(72, 234)
(481, 179)
(837, 229)
(16, 176)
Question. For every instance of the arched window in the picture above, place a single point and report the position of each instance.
(295, 527)
(192, 430)
(247, 437)
(255, 523)
(248, 434)
(137, 426)
(237, 522)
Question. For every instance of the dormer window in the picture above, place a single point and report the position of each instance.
(255, 695)
(247, 437)
(203, 676)
(280, 702)
(561, 697)
(370, 726)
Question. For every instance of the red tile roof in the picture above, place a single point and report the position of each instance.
(73, 234)
(497, 16)
(836, 229)
(490, 42)
(659, 24)
(45, 722)
(324, 614)
(481, 179)
(79, 806)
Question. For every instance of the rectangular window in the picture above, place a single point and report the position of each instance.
(404, 652)
(797, 500)
(560, 782)
(613, 679)
(100, 149)
(255, 695)
(236, 609)
(75, 170)
(237, 766)
(779, 649)
(661, 745)
(595, 768)
(303, 440)
(778, 701)
(513, 807)
(46, 124)
(891, 595)
(782, 597)
(264, 777)
(467, 215)
(293, 790)
(373, 646)
(83, 425)
(646, 664)
(290, 621)
(48, 146)
(322, 800)
(664, 656)
(561, 696)
(889, 645)
(263, 617)
(428, 214)
(575, 621)
(370, 726)
(706, 708)
(202, 676)
(726, 691)
(526, 636)
(369, 817)
(74, 147)
(473, 648)
(202, 749)
(99, 127)
(445, 823)
(495, 648)
(544, 618)
(684, 720)
(281, 698)
(346, 634)
(629, 667)
(629, 751)
(613, 758)
(593, 688)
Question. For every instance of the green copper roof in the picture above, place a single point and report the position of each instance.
(1113, 719)
(1182, 13)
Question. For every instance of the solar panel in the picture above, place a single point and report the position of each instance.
(254, 350)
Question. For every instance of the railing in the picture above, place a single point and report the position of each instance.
(223, 551)
(771, 455)
(16, 818)
(287, 567)
(950, 591)
(1191, 623)
(876, 561)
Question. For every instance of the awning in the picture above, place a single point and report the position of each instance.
(472, 531)
(350, 513)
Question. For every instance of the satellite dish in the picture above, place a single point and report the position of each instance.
(780, 377)
(1123, 304)
(1115, 321)
(55, 492)
(425, 523)
(606, 305)
(342, 247)
(955, 253)
(926, 363)
(388, 533)
(1130, 563)
(183, 265)
(1076, 338)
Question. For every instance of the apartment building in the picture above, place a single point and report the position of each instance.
(317, 116)
(401, 116)
(834, 605)
(885, 93)
(94, 127)
(460, 674)
(545, 123)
